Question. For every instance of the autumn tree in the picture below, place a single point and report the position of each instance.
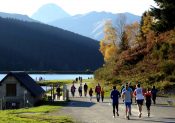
(108, 45)
(122, 36)
(132, 31)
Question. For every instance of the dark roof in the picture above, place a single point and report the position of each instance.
(27, 82)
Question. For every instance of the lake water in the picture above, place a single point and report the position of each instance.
(56, 76)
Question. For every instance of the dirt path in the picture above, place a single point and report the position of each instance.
(84, 111)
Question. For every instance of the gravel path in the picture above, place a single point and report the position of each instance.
(85, 111)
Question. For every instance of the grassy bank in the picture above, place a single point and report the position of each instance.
(40, 114)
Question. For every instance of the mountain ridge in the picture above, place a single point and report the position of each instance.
(49, 12)
(16, 16)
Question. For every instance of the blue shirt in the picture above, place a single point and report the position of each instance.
(115, 96)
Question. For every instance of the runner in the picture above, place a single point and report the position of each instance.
(138, 93)
(73, 88)
(85, 89)
(98, 91)
(90, 93)
(80, 90)
(154, 94)
(129, 89)
(127, 95)
(148, 100)
(115, 100)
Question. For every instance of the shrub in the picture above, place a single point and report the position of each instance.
(156, 77)
(168, 67)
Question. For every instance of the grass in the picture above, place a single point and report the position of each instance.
(40, 114)
(49, 82)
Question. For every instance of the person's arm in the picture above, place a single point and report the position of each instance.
(123, 95)
(134, 94)
(111, 95)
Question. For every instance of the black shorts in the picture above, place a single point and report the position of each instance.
(140, 102)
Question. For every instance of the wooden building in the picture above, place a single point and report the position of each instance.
(17, 90)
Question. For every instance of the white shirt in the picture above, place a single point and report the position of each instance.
(139, 94)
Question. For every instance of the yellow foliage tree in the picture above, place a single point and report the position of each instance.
(108, 45)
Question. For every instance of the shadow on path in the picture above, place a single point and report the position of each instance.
(75, 103)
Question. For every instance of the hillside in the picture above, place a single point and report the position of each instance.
(16, 16)
(91, 24)
(35, 46)
(150, 60)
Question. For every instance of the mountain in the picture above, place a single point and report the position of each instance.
(49, 12)
(35, 46)
(16, 16)
(91, 24)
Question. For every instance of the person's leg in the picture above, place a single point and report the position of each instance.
(97, 96)
(113, 105)
(128, 110)
(102, 97)
(148, 108)
(140, 107)
(154, 99)
(117, 109)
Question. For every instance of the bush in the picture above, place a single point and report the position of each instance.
(156, 77)
(168, 67)
(171, 78)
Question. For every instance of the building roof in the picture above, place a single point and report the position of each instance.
(27, 82)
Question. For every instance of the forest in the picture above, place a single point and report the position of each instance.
(141, 52)
(32, 46)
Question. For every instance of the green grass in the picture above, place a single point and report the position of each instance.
(49, 82)
(40, 114)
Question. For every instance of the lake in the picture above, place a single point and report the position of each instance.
(56, 76)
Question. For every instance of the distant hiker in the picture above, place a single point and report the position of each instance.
(98, 91)
(73, 90)
(138, 93)
(115, 100)
(102, 94)
(154, 94)
(76, 79)
(90, 94)
(85, 89)
(127, 95)
(148, 100)
(80, 90)
(58, 90)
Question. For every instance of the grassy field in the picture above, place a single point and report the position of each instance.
(49, 82)
(40, 114)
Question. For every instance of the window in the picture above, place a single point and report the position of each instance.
(10, 89)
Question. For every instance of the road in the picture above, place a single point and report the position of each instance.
(85, 111)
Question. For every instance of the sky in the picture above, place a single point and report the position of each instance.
(73, 7)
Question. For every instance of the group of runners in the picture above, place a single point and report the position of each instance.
(98, 90)
(127, 94)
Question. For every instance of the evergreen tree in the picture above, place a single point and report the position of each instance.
(124, 45)
(164, 15)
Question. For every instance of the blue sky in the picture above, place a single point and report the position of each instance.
(73, 7)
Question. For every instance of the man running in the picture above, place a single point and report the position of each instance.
(154, 94)
(115, 96)
(127, 95)
(129, 89)
(138, 93)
